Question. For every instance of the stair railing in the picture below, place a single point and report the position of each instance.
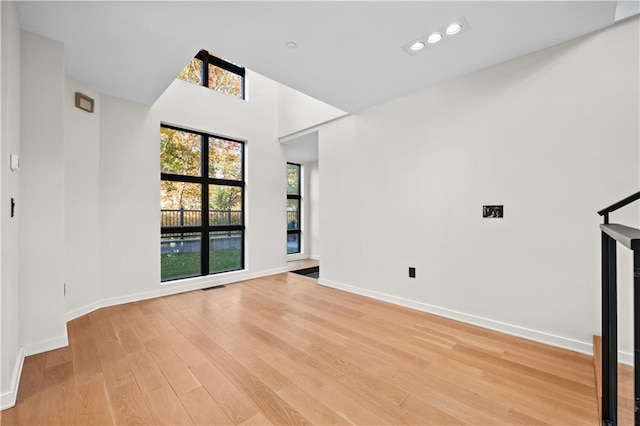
(630, 238)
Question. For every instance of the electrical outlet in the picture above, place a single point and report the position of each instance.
(412, 272)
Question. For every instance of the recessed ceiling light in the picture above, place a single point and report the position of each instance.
(292, 44)
(453, 29)
(435, 35)
(418, 45)
(434, 38)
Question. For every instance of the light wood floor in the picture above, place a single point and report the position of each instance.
(284, 350)
(626, 405)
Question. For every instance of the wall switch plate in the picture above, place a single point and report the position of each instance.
(412, 272)
(14, 162)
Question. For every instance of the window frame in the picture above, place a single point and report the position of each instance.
(298, 197)
(208, 59)
(204, 181)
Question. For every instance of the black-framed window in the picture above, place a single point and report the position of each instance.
(201, 203)
(294, 208)
(215, 73)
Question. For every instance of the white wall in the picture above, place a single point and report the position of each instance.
(298, 111)
(306, 213)
(305, 222)
(81, 173)
(9, 144)
(90, 192)
(41, 204)
(553, 136)
(312, 205)
(254, 121)
(128, 195)
(557, 128)
(129, 183)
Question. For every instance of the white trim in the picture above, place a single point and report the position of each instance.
(46, 345)
(625, 358)
(514, 330)
(307, 130)
(8, 399)
(173, 287)
(297, 256)
(314, 257)
(87, 309)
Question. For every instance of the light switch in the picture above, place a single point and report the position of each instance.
(14, 162)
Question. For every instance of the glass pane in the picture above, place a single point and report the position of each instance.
(180, 255)
(225, 159)
(225, 205)
(180, 203)
(293, 179)
(293, 214)
(220, 57)
(225, 251)
(192, 72)
(179, 152)
(293, 243)
(225, 82)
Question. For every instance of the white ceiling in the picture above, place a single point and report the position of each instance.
(349, 53)
(302, 149)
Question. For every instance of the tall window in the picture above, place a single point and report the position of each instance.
(202, 204)
(215, 73)
(294, 199)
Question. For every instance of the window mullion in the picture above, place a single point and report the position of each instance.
(205, 73)
(208, 60)
(175, 257)
(204, 155)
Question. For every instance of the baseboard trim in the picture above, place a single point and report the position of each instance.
(514, 330)
(173, 287)
(8, 399)
(84, 310)
(297, 256)
(46, 345)
(625, 358)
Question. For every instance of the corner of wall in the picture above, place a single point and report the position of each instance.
(10, 353)
(40, 243)
(8, 398)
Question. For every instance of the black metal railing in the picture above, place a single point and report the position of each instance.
(630, 238)
(615, 206)
(184, 217)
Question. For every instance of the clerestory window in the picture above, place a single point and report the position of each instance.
(215, 73)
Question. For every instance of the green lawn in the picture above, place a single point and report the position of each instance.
(183, 265)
